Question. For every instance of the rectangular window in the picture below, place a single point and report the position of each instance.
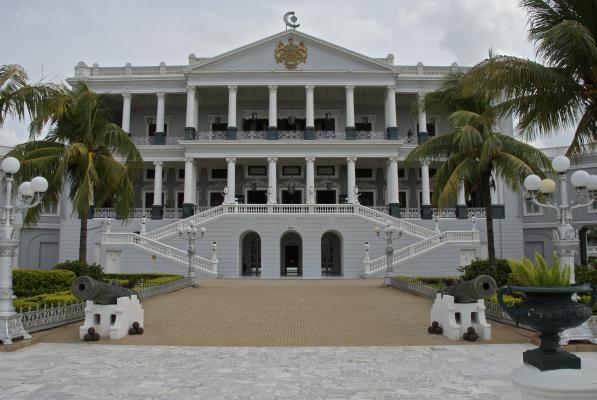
(219, 173)
(150, 173)
(181, 174)
(326, 170)
(531, 208)
(401, 173)
(291, 170)
(402, 199)
(215, 199)
(364, 172)
(257, 170)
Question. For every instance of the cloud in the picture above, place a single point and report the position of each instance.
(10, 137)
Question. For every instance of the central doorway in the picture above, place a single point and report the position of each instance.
(256, 196)
(295, 197)
(325, 197)
(291, 254)
(251, 254)
(331, 254)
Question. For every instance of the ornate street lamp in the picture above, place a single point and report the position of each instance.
(190, 233)
(565, 240)
(29, 194)
(389, 232)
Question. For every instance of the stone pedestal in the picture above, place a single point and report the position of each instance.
(461, 212)
(456, 318)
(309, 133)
(562, 384)
(351, 133)
(498, 211)
(392, 133)
(157, 212)
(426, 212)
(422, 137)
(231, 133)
(113, 320)
(272, 133)
(188, 209)
(394, 209)
(159, 138)
(189, 132)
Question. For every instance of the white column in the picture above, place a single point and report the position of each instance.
(232, 106)
(386, 112)
(190, 123)
(391, 101)
(392, 181)
(188, 181)
(126, 112)
(157, 183)
(159, 118)
(310, 178)
(351, 181)
(272, 179)
(461, 196)
(425, 184)
(273, 106)
(231, 179)
(500, 191)
(422, 115)
(194, 182)
(310, 107)
(196, 112)
(350, 106)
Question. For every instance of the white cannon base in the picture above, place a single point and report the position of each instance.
(456, 318)
(112, 320)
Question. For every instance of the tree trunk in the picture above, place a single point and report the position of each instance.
(486, 193)
(83, 235)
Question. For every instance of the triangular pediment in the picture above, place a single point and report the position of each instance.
(290, 48)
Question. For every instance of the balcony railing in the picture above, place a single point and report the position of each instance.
(171, 213)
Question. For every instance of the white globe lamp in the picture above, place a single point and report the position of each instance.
(592, 183)
(39, 184)
(579, 179)
(532, 183)
(25, 189)
(560, 164)
(548, 186)
(10, 165)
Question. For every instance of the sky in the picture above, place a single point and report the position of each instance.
(49, 37)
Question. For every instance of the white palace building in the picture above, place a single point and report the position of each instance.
(290, 152)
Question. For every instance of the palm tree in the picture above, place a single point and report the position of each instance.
(560, 91)
(473, 153)
(20, 99)
(85, 151)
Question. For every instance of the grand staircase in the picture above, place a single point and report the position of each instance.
(429, 240)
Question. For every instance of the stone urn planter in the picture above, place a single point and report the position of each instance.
(549, 310)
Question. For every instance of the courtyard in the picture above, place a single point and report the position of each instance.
(288, 312)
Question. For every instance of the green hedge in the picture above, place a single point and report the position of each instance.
(144, 276)
(156, 281)
(81, 268)
(499, 272)
(31, 282)
(46, 299)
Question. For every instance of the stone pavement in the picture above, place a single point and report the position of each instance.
(293, 312)
(61, 371)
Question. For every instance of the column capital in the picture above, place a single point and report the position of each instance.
(232, 88)
(127, 95)
(191, 89)
(231, 159)
(393, 159)
(189, 159)
(272, 88)
(272, 159)
(425, 163)
(349, 88)
(391, 88)
(310, 159)
(158, 163)
(310, 87)
(160, 94)
(351, 159)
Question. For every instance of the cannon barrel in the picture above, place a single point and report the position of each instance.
(470, 291)
(87, 288)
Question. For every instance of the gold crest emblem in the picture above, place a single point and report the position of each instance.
(290, 54)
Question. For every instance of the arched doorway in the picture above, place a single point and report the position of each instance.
(250, 250)
(331, 254)
(291, 254)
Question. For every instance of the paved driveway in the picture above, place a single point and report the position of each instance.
(293, 312)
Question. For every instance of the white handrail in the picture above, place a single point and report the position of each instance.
(161, 249)
(423, 246)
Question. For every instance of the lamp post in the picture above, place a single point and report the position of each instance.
(389, 232)
(190, 233)
(29, 194)
(565, 239)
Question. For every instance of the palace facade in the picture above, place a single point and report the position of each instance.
(290, 152)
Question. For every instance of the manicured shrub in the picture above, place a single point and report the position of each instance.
(31, 282)
(586, 274)
(81, 268)
(47, 299)
(144, 276)
(156, 281)
(500, 272)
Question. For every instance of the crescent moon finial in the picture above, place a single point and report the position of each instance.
(292, 22)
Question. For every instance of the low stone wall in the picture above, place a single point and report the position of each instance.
(47, 318)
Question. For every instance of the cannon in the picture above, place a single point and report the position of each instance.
(87, 288)
(470, 291)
